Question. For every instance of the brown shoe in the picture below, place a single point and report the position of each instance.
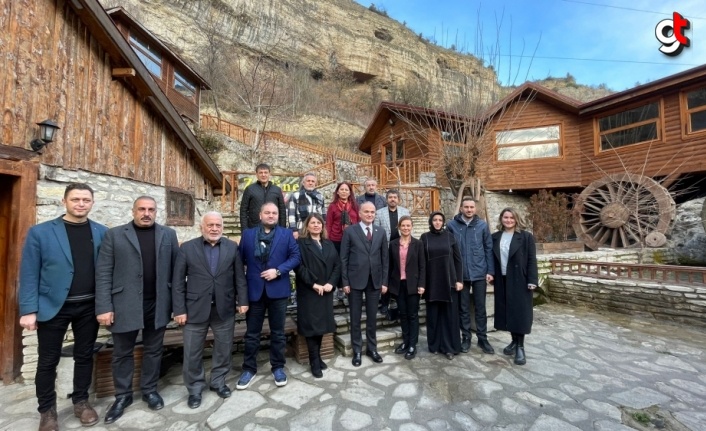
(48, 421)
(85, 413)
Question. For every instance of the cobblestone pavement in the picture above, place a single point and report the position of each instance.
(585, 371)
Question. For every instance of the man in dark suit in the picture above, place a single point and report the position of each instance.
(269, 252)
(57, 287)
(364, 258)
(208, 274)
(133, 293)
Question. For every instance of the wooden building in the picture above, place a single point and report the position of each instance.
(179, 81)
(67, 61)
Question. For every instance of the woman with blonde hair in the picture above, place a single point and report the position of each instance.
(516, 257)
(318, 275)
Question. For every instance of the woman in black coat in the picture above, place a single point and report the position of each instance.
(444, 280)
(516, 257)
(318, 275)
(406, 280)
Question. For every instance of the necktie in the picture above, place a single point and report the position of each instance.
(369, 235)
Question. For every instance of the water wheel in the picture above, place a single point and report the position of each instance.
(622, 210)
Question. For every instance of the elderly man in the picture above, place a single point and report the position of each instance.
(371, 194)
(209, 279)
(364, 258)
(57, 288)
(269, 253)
(303, 202)
(133, 294)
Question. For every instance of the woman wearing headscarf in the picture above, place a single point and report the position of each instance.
(407, 278)
(318, 275)
(516, 256)
(444, 279)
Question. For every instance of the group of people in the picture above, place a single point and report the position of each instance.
(135, 277)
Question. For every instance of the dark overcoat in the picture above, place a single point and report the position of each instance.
(320, 266)
(513, 300)
(444, 267)
(415, 267)
(119, 285)
(194, 286)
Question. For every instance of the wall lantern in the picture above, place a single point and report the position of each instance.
(47, 128)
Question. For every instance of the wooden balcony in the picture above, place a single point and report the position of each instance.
(396, 173)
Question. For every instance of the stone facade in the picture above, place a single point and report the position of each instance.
(496, 202)
(687, 236)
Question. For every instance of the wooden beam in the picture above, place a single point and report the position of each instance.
(123, 72)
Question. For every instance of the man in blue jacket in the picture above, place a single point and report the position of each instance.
(476, 245)
(269, 252)
(57, 288)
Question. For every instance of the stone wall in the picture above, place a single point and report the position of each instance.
(496, 202)
(113, 203)
(680, 304)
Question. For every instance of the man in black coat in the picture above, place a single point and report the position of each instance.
(365, 260)
(258, 193)
(133, 294)
(209, 279)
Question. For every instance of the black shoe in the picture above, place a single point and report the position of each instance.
(510, 349)
(402, 348)
(411, 353)
(449, 356)
(520, 355)
(153, 400)
(316, 372)
(384, 309)
(194, 401)
(223, 391)
(117, 409)
(323, 364)
(486, 347)
(356, 359)
(466, 345)
(375, 356)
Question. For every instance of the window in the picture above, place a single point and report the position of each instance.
(696, 110)
(184, 86)
(149, 56)
(180, 208)
(629, 127)
(523, 144)
(455, 134)
(399, 149)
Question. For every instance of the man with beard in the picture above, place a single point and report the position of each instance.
(269, 253)
(371, 195)
(133, 294)
(305, 201)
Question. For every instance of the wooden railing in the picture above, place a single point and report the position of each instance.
(248, 137)
(401, 172)
(420, 201)
(668, 274)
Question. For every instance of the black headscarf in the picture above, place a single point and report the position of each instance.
(431, 226)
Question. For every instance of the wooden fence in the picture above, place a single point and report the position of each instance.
(668, 274)
(402, 172)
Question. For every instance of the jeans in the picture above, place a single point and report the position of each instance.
(50, 336)
(276, 313)
(476, 299)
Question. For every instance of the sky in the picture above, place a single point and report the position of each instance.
(610, 42)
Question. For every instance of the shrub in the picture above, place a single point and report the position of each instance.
(549, 216)
(210, 141)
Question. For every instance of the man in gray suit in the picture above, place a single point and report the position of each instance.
(364, 259)
(133, 293)
(208, 280)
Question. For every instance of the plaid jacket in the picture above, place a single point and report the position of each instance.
(382, 218)
(301, 204)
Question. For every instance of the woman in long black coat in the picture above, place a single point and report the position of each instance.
(407, 288)
(444, 275)
(515, 280)
(318, 275)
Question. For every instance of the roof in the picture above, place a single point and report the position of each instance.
(121, 53)
(119, 14)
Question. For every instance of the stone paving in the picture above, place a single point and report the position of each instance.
(585, 371)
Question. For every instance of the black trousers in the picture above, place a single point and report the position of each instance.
(123, 362)
(355, 301)
(472, 304)
(408, 306)
(50, 336)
